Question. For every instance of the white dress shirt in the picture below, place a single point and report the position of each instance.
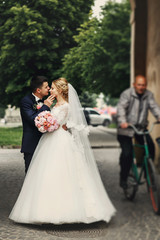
(37, 98)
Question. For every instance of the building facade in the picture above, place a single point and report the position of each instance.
(145, 49)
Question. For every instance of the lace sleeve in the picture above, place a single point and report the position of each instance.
(73, 125)
(62, 114)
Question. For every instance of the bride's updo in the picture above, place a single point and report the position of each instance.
(62, 85)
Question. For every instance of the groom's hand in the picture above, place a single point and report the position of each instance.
(49, 101)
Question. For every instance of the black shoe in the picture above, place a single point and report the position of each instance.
(123, 184)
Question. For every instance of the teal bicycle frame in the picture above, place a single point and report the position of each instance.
(150, 175)
(144, 167)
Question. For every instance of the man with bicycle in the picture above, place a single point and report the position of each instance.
(133, 107)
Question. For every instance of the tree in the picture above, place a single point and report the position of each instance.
(2, 111)
(81, 62)
(87, 99)
(115, 28)
(100, 61)
(35, 35)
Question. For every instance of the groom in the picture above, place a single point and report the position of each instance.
(31, 106)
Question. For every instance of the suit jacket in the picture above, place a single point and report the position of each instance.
(31, 135)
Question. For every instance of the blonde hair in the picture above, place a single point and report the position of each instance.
(62, 84)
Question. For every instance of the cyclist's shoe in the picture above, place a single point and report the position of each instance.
(123, 184)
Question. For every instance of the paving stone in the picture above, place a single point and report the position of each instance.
(133, 221)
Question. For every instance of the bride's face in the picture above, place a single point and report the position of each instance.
(54, 92)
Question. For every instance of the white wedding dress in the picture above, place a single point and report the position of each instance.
(60, 186)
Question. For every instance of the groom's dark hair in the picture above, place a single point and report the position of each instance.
(37, 82)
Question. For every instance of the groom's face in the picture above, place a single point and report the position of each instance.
(44, 90)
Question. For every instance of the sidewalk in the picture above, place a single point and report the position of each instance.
(18, 124)
(11, 179)
(103, 137)
(133, 221)
(109, 130)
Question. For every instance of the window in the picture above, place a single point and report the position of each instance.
(94, 112)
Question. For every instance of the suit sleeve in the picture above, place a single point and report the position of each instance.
(29, 113)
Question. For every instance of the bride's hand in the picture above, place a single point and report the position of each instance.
(65, 127)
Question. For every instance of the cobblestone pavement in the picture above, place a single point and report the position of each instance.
(103, 137)
(133, 221)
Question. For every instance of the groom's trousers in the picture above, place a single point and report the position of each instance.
(27, 160)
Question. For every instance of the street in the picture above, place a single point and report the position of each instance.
(101, 137)
(133, 220)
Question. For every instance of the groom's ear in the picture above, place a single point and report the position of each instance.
(38, 90)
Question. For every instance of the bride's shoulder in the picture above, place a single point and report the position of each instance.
(65, 105)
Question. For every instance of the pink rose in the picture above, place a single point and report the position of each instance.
(42, 130)
(51, 129)
(38, 106)
(38, 125)
(46, 122)
(42, 120)
(42, 114)
(50, 119)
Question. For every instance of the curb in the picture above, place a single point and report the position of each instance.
(109, 130)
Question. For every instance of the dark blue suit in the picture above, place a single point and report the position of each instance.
(31, 135)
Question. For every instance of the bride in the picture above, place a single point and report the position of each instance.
(63, 184)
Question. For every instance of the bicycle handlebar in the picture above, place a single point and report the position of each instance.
(143, 132)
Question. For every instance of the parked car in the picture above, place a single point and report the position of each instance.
(95, 118)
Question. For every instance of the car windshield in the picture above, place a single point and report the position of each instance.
(94, 112)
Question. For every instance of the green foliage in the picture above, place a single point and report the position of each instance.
(35, 35)
(87, 99)
(116, 38)
(112, 125)
(78, 63)
(111, 101)
(10, 136)
(100, 61)
(2, 111)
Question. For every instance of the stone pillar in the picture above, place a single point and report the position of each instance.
(145, 50)
(153, 60)
(139, 37)
(132, 22)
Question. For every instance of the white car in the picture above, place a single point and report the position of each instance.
(98, 119)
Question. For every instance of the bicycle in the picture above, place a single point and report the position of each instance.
(148, 170)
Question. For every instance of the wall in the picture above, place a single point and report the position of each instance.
(153, 56)
(145, 50)
(138, 22)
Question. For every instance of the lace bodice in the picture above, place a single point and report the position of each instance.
(61, 113)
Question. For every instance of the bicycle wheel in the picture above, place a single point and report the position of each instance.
(153, 186)
(131, 190)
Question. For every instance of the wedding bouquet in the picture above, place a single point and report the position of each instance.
(46, 122)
